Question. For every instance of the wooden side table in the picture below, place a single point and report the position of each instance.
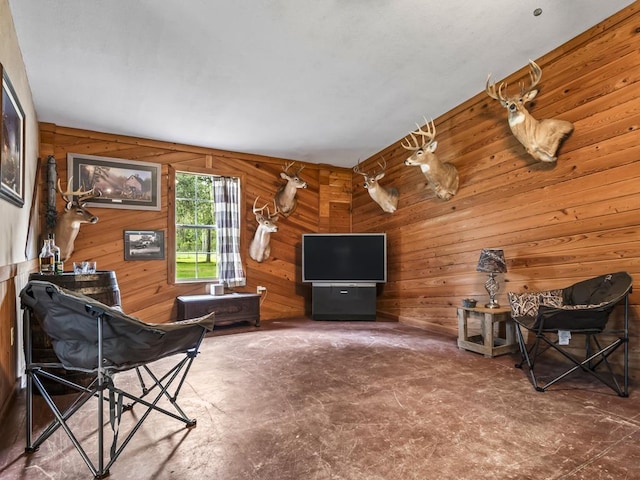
(491, 342)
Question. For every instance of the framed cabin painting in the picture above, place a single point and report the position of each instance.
(116, 183)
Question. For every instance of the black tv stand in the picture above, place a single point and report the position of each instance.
(343, 301)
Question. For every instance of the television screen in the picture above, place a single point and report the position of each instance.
(344, 258)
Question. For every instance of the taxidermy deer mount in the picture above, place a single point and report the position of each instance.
(442, 177)
(541, 138)
(68, 224)
(260, 247)
(387, 198)
(285, 198)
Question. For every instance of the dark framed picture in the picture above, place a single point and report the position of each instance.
(12, 139)
(116, 183)
(144, 245)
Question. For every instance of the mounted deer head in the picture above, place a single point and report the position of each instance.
(541, 138)
(285, 198)
(259, 249)
(68, 224)
(387, 198)
(442, 177)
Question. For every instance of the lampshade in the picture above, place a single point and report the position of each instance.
(492, 261)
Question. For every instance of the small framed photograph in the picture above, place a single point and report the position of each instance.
(116, 183)
(12, 140)
(144, 245)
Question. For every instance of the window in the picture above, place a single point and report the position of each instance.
(196, 246)
(206, 236)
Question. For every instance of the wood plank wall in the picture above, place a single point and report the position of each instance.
(557, 223)
(7, 349)
(12, 279)
(145, 290)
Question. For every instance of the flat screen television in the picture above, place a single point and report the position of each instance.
(344, 257)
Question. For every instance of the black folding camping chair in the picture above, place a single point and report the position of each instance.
(553, 317)
(100, 341)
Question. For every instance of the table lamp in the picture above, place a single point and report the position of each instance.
(492, 261)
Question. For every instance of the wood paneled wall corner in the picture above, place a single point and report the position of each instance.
(144, 285)
(557, 223)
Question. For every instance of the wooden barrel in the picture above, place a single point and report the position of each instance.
(101, 286)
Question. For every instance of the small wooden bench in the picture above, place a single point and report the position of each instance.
(229, 308)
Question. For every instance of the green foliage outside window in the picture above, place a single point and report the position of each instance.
(196, 242)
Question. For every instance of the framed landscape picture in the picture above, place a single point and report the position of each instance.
(143, 245)
(116, 183)
(12, 140)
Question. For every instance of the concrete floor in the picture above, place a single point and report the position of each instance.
(305, 400)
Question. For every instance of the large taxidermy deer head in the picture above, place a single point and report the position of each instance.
(442, 177)
(541, 138)
(68, 224)
(387, 198)
(260, 247)
(285, 198)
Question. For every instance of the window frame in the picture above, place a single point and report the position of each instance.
(223, 171)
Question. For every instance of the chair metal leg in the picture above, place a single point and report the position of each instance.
(26, 319)
(527, 356)
(589, 364)
(625, 353)
(586, 365)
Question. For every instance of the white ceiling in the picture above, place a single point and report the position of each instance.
(324, 81)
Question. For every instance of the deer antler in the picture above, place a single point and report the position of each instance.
(275, 213)
(259, 210)
(77, 193)
(535, 74)
(356, 169)
(490, 88)
(429, 136)
(90, 194)
(383, 167)
(288, 165)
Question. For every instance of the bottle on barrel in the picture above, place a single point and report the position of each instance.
(58, 266)
(47, 259)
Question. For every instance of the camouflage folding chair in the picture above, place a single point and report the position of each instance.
(554, 317)
(99, 342)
